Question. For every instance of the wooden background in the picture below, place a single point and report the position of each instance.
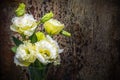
(93, 51)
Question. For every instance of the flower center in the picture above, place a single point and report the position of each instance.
(27, 51)
(44, 52)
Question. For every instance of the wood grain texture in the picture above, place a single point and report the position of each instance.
(93, 51)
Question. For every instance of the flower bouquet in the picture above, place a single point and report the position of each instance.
(36, 49)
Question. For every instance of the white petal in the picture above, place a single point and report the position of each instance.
(18, 63)
(54, 43)
(13, 28)
(30, 31)
(41, 58)
(55, 22)
(60, 50)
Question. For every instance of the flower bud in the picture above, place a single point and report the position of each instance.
(65, 33)
(53, 26)
(46, 17)
(20, 10)
(40, 36)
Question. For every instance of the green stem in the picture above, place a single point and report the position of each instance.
(23, 37)
(39, 22)
(37, 71)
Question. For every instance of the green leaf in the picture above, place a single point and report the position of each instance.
(40, 36)
(20, 10)
(47, 16)
(33, 38)
(14, 49)
(65, 33)
(16, 41)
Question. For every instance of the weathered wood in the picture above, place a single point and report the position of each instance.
(92, 53)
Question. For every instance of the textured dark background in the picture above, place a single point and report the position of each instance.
(93, 51)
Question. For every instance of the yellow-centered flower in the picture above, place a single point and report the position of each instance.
(48, 51)
(25, 54)
(25, 24)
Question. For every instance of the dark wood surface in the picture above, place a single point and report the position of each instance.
(93, 51)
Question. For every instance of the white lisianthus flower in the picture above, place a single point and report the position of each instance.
(48, 51)
(25, 24)
(25, 54)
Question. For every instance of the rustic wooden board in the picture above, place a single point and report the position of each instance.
(92, 53)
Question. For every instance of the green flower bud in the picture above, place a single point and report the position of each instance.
(20, 10)
(53, 26)
(46, 17)
(66, 33)
(40, 36)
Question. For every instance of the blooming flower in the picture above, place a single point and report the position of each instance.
(25, 54)
(25, 24)
(53, 26)
(47, 51)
